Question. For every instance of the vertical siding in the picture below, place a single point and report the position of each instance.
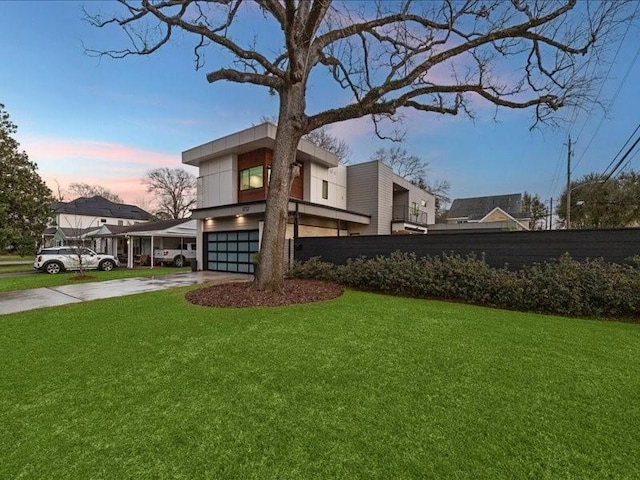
(385, 198)
(362, 197)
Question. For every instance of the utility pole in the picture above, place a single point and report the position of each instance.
(569, 185)
(550, 214)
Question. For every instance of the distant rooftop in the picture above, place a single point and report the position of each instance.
(476, 208)
(101, 207)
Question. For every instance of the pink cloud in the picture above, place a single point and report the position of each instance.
(117, 167)
(130, 189)
(48, 149)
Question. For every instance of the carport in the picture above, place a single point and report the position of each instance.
(144, 238)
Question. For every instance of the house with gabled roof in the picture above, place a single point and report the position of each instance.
(488, 213)
(82, 217)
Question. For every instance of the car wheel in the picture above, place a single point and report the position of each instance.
(107, 265)
(178, 261)
(53, 268)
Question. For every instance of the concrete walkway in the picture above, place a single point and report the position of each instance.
(20, 301)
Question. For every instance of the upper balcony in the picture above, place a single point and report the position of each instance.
(409, 214)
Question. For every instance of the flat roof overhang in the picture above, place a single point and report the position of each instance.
(254, 138)
(302, 207)
(412, 227)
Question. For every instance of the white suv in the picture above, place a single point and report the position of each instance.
(58, 259)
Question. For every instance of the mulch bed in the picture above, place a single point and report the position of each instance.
(237, 295)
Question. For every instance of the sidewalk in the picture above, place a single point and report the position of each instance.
(23, 300)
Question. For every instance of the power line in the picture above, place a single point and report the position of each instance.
(615, 96)
(626, 165)
(621, 160)
(620, 151)
(602, 86)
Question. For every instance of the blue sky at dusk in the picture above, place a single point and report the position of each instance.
(105, 121)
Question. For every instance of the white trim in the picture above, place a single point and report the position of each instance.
(509, 216)
(260, 136)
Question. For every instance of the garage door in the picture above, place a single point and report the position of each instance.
(231, 251)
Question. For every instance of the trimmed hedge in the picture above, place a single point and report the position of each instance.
(591, 288)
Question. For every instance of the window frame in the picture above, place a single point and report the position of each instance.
(248, 172)
(325, 189)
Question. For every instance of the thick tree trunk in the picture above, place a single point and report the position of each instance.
(283, 170)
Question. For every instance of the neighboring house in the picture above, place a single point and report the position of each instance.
(136, 243)
(79, 218)
(327, 199)
(490, 213)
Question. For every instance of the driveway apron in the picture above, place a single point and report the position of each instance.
(23, 300)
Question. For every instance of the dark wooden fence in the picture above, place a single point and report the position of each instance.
(514, 249)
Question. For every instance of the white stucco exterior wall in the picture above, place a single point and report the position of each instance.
(217, 182)
(66, 220)
(337, 180)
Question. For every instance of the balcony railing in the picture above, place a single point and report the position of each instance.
(408, 214)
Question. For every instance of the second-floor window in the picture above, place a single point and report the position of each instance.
(251, 178)
(325, 189)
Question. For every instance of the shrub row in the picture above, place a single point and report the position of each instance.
(591, 288)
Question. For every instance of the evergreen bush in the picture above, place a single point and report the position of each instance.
(591, 288)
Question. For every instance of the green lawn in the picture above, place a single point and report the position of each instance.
(365, 386)
(15, 258)
(38, 280)
(16, 268)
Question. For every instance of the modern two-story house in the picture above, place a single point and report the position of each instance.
(327, 199)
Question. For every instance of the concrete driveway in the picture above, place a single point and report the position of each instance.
(20, 301)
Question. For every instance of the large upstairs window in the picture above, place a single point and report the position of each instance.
(251, 178)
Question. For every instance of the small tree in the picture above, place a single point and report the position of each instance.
(80, 242)
(598, 204)
(25, 200)
(84, 190)
(388, 56)
(536, 207)
(174, 190)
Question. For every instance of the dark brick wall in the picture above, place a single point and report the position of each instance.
(499, 248)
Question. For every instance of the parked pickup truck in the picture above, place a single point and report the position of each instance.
(178, 257)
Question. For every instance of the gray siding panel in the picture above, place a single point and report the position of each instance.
(362, 180)
(385, 198)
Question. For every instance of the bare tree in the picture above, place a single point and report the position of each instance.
(60, 194)
(174, 189)
(415, 169)
(407, 166)
(428, 56)
(323, 139)
(79, 239)
(85, 190)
